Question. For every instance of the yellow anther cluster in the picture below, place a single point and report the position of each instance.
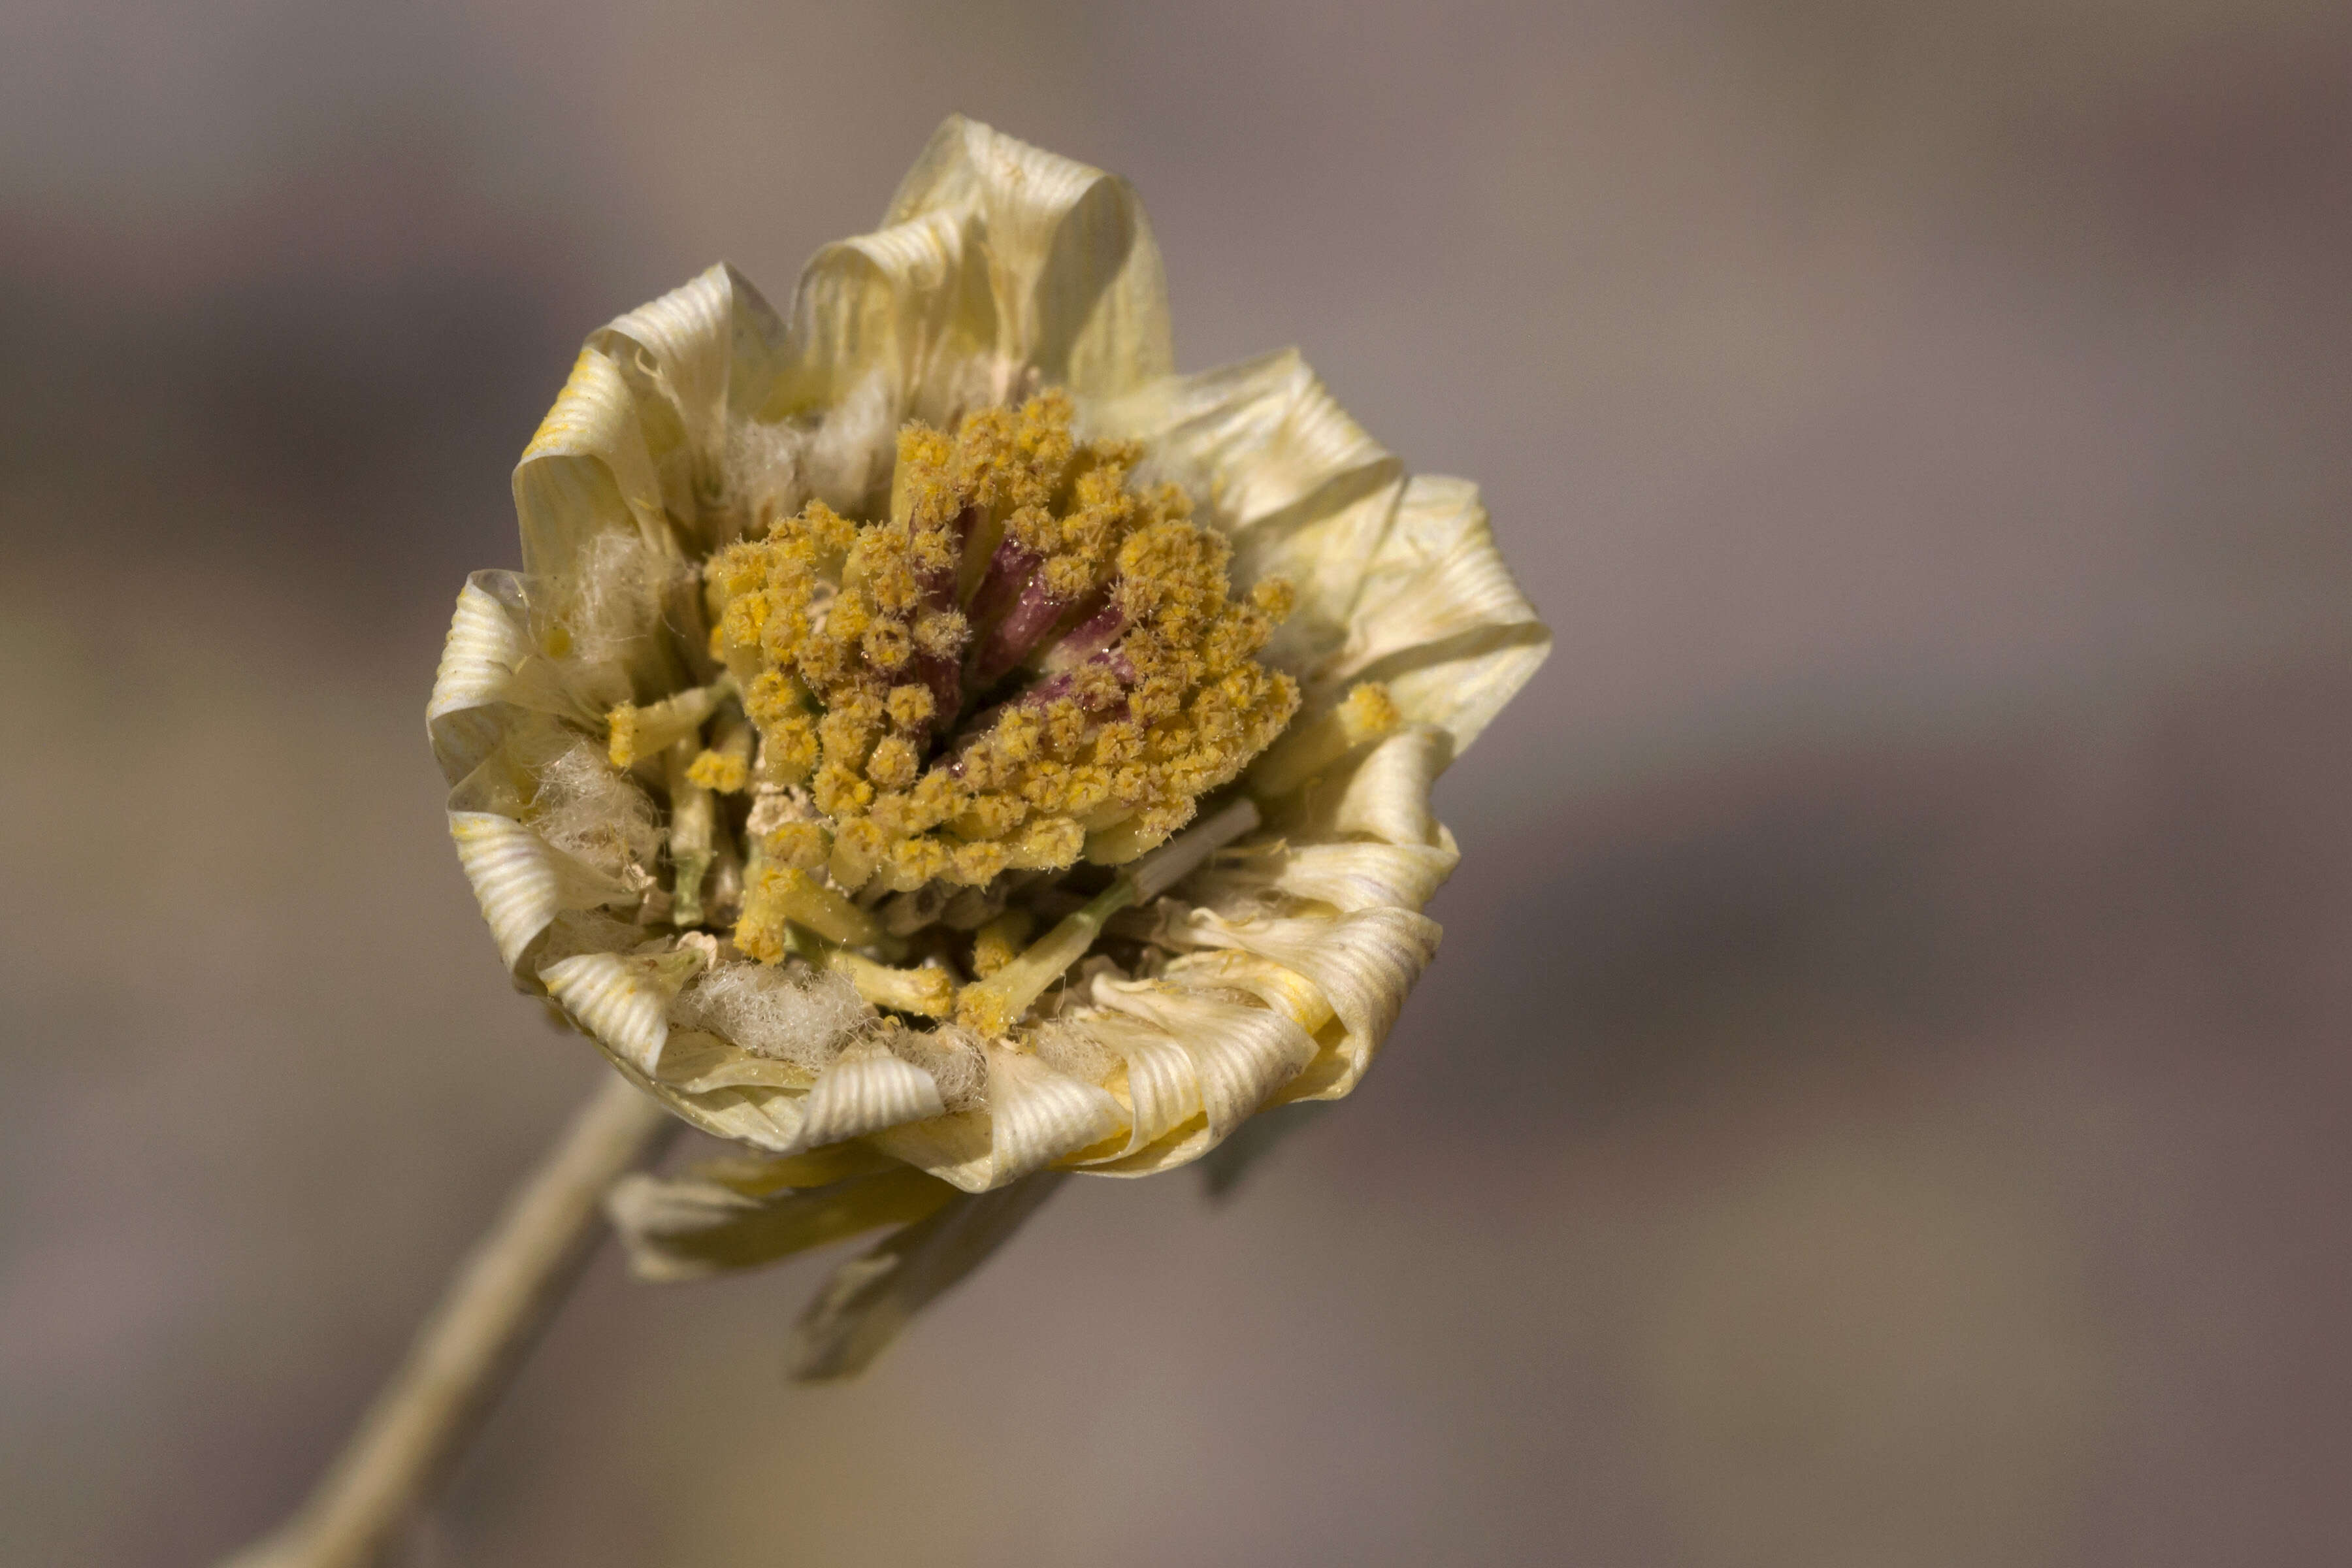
(1026, 660)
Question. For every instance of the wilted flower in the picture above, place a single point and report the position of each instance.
(935, 746)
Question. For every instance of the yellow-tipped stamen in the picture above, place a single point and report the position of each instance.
(782, 895)
(1016, 570)
(925, 992)
(994, 1004)
(1000, 941)
(691, 813)
(638, 733)
(726, 767)
(723, 888)
(1367, 714)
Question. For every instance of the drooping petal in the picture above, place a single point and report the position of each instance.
(1038, 1115)
(1179, 1145)
(870, 1298)
(760, 1115)
(958, 1148)
(1440, 620)
(489, 636)
(693, 1226)
(490, 672)
(695, 1061)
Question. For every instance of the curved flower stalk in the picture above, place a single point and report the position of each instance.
(935, 746)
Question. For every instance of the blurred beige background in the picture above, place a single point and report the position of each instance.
(1883, 1098)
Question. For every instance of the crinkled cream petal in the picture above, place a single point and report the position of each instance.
(1440, 620)
(694, 1061)
(999, 268)
(489, 671)
(1350, 875)
(690, 1227)
(587, 473)
(688, 358)
(871, 1298)
(521, 881)
(489, 636)
(865, 1090)
(1182, 1144)
(763, 1117)
(1034, 1117)
(1038, 1115)
(1363, 965)
(1383, 795)
(1163, 1089)
(901, 319)
(1241, 1053)
(1073, 273)
(622, 1000)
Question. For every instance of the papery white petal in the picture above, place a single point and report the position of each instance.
(1163, 1087)
(1364, 965)
(958, 1148)
(1038, 1115)
(1440, 620)
(887, 327)
(691, 1227)
(1075, 275)
(763, 1116)
(1385, 794)
(1241, 1053)
(867, 1301)
(586, 473)
(1261, 441)
(1304, 493)
(1347, 876)
(490, 635)
(866, 1090)
(999, 268)
(521, 881)
(621, 1000)
(688, 357)
(1034, 1117)
(1182, 1144)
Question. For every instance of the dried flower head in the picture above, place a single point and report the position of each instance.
(932, 743)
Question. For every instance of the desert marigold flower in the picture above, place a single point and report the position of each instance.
(932, 743)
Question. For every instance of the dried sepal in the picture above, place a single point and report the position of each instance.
(690, 1227)
(869, 1298)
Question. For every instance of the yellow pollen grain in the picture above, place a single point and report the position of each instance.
(893, 763)
(912, 706)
